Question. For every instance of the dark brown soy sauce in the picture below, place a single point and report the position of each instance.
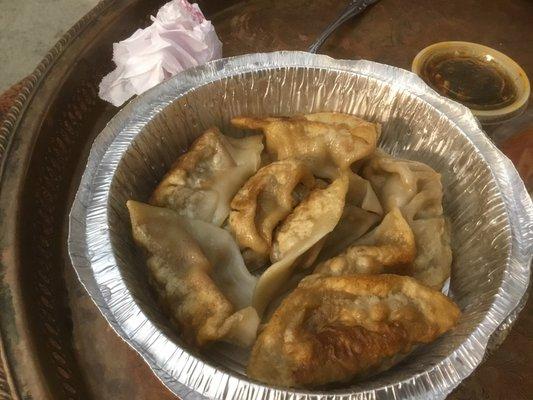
(477, 83)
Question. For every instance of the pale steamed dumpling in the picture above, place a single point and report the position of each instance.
(413, 187)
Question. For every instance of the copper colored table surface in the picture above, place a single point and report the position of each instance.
(77, 355)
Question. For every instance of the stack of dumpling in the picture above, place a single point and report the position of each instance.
(306, 243)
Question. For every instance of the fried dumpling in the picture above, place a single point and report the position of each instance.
(334, 329)
(264, 201)
(416, 189)
(202, 182)
(199, 274)
(326, 142)
(309, 216)
(310, 221)
(389, 248)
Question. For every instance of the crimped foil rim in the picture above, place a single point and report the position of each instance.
(115, 138)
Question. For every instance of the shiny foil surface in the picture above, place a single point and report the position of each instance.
(490, 212)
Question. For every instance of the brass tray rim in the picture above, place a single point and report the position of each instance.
(9, 387)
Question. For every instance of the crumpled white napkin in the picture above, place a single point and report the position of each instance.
(179, 38)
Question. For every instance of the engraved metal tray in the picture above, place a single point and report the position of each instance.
(55, 344)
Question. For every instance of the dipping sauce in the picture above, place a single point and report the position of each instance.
(478, 83)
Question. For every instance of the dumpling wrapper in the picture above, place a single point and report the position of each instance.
(202, 182)
(327, 142)
(361, 194)
(416, 189)
(335, 329)
(432, 265)
(388, 248)
(361, 212)
(310, 221)
(354, 223)
(263, 201)
(198, 273)
(412, 186)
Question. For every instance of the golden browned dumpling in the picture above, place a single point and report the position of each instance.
(326, 142)
(199, 275)
(334, 329)
(310, 221)
(202, 182)
(265, 200)
(390, 247)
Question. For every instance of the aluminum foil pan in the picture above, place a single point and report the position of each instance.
(490, 212)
